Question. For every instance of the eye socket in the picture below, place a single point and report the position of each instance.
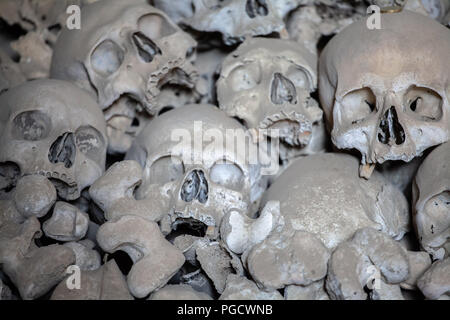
(424, 102)
(107, 58)
(90, 142)
(166, 169)
(245, 77)
(31, 126)
(357, 105)
(299, 78)
(155, 26)
(227, 174)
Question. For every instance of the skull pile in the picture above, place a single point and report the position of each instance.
(224, 149)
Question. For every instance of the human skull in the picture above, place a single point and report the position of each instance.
(431, 198)
(234, 19)
(324, 195)
(125, 52)
(267, 83)
(199, 183)
(387, 96)
(51, 128)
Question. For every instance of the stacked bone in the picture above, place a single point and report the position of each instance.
(100, 200)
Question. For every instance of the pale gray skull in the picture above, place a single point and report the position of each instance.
(234, 19)
(431, 198)
(385, 92)
(51, 128)
(324, 195)
(125, 52)
(267, 83)
(195, 182)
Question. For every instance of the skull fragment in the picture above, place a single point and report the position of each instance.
(51, 128)
(431, 193)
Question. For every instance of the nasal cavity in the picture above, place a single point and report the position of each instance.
(390, 130)
(63, 150)
(195, 186)
(282, 90)
(256, 8)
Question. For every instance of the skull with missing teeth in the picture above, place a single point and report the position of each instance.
(124, 54)
(52, 128)
(267, 84)
(385, 92)
(189, 171)
(431, 193)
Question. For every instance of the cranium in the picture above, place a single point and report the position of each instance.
(323, 194)
(267, 83)
(431, 195)
(202, 190)
(124, 54)
(55, 129)
(234, 19)
(388, 96)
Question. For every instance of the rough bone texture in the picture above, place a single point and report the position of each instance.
(127, 174)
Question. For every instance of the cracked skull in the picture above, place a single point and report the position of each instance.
(199, 184)
(124, 54)
(431, 192)
(51, 128)
(267, 83)
(377, 98)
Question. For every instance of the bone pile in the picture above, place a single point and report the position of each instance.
(93, 183)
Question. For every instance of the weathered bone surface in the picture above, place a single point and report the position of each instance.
(419, 262)
(240, 288)
(9, 213)
(106, 283)
(241, 232)
(54, 129)
(215, 261)
(85, 256)
(124, 55)
(435, 282)
(34, 196)
(188, 213)
(291, 258)
(178, 292)
(377, 98)
(114, 193)
(234, 19)
(266, 83)
(148, 249)
(354, 262)
(34, 271)
(35, 55)
(195, 185)
(314, 291)
(67, 223)
(431, 202)
(309, 23)
(327, 198)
